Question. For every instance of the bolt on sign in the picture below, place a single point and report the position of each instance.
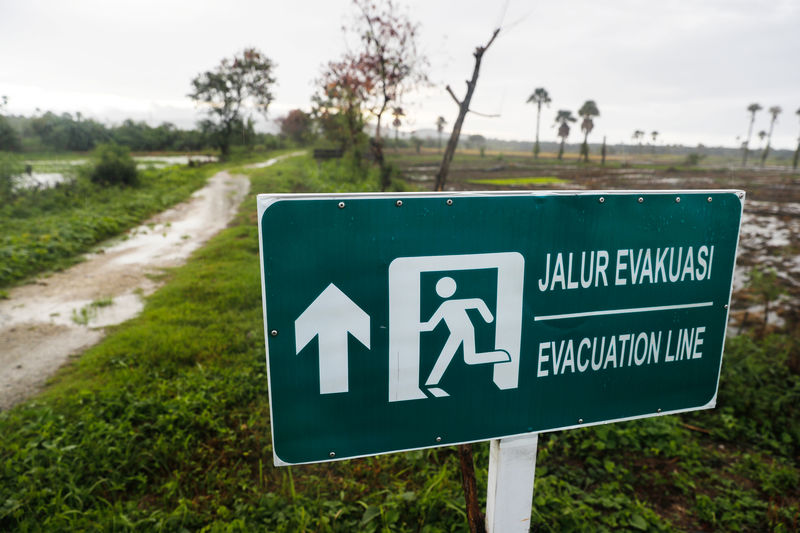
(397, 322)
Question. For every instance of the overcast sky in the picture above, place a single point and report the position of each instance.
(686, 68)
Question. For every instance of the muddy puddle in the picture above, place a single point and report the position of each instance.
(45, 322)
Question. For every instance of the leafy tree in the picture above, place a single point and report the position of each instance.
(538, 97)
(774, 111)
(338, 106)
(63, 132)
(296, 125)
(563, 118)
(235, 84)
(479, 141)
(587, 111)
(752, 109)
(10, 166)
(9, 138)
(417, 142)
(113, 165)
(440, 124)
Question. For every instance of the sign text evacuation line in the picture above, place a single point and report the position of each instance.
(623, 311)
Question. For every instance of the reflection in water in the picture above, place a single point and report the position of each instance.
(50, 175)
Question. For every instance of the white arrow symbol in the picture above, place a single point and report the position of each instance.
(331, 316)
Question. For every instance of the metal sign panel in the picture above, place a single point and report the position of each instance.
(396, 322)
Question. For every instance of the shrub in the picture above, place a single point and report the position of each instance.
(113, 165)
(9, 138)
(9, 167)
(693, 159)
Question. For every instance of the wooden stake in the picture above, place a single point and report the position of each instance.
(475, 517)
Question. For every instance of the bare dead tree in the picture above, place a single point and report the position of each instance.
(463, 109)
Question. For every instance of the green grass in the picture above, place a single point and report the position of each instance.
(515, 182)
(165, 426)
(49, 229)
(88, 312)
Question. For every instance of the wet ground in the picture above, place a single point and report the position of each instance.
(45, 322)
(770, 232)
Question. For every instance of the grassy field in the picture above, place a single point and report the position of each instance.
(165, 426)
(49, 228)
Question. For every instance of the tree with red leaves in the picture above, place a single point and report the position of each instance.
(389, 54)
(296, 125)
(339, 106)
(372, 79)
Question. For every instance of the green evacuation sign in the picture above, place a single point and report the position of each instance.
(402, 322)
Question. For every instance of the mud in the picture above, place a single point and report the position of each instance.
(43, 323)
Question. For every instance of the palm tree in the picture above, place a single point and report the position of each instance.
(654, 135)
(796, 152)
(397, 112)
(563, 117)
(539, 97)
(440, 122)
(587, 111)
(638, 135)
(753, 109)
(774, 111)
(761, 136)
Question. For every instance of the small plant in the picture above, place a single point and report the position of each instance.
(693, 159)
(89, 312)
(764, 283)
(113, 165)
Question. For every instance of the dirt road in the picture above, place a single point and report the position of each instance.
(44, 323)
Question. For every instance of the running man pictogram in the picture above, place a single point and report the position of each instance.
(462, 333)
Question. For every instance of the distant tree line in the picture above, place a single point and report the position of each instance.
(67, 132)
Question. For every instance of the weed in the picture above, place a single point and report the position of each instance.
(87, 313)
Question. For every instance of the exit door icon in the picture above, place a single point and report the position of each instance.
(406, 323)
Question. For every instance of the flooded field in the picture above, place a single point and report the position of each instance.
(770, 231)
(45, 173)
